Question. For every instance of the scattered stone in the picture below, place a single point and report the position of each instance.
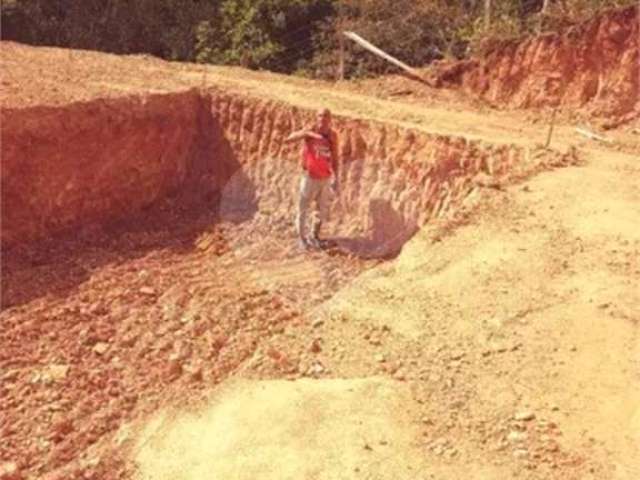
(315, 346)
(399, 375)
(101, 348)
(519, 425)
(50, 374)
(502, 445)
(524, 416)
(174, 368)
(197, 374)
(58, 372)
(147, 291)
(317, 323)
(61, 429)
(546, 425)
(457, 355)
(10, 471)
(552, 446)
(316, 369)
(521, 453)
(380, 358)
(11, 375)
(130, 340)
(517, 437)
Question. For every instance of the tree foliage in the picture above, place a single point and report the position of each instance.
(288, 35)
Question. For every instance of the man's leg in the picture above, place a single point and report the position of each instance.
(323, 204)
(304, 200)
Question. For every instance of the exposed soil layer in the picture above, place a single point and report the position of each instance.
(89, 162)
(155, 291)
(173, 207)
(595, 64)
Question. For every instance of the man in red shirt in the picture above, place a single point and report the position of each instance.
(319, 178)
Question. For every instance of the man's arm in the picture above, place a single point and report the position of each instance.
(302, 135)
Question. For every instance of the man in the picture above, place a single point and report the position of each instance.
(319, 178)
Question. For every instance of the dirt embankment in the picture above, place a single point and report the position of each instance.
(392, 179)
(64, 167)
(595, 64)
(85, 162)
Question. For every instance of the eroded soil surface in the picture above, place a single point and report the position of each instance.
(502, 341)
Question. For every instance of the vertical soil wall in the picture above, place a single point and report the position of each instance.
(596, 64)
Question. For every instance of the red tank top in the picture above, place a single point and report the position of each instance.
(317, 157)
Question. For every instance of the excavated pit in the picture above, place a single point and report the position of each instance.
(148, 247)
(87, 163)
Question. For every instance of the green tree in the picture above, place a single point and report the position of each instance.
(272, 34)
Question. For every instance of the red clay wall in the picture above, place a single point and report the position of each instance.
(89, 162)
(392, 181)
(62, 166)
(596, 63)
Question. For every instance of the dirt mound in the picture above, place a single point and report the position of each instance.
(287, 430)
(595, 65)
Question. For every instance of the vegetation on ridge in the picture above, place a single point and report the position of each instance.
(293, 36)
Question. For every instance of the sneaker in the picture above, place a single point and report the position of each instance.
(316, 243)
(303, 243)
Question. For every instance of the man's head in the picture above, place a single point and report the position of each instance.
(323, 119)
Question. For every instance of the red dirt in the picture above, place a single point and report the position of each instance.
(595, 66)
(161, 286)
(99, 160)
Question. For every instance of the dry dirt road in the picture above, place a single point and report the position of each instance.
(504, 345)
(506, 348)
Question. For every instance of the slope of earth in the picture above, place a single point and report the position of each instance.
(481, 333)
(595, 65)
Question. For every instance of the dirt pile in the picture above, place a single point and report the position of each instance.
(594, 65)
